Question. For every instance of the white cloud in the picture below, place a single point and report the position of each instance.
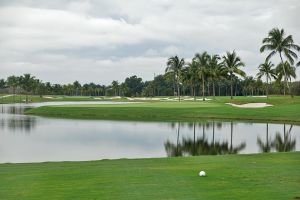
(99, 41)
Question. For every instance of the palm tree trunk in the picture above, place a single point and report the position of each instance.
(285, 75)
(267, 89)
(194, 90)
(178, 89)
(214, 92)
(174, 87)
(208, 93)
(231, 86)
(203, 88)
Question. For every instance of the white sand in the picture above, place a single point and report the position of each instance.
(260, 96)
(188, 99)
(48, 97)
(6, 96)
(206, 99)
(250, 105)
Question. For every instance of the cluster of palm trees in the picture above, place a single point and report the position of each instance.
(278, 43)
(205, 69)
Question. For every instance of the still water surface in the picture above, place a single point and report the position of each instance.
(36, 139)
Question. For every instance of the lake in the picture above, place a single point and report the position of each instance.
(26, 139)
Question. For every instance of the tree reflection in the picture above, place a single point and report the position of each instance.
(285, 143)
(281, 143)
(264, 147)
(201, 146)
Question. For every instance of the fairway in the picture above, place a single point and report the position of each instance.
(261, 176)
(284, 109)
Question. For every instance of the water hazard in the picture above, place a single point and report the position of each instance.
(37, 139)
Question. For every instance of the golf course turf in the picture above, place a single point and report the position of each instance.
(260, 176)
(255, 176)
(284, 109)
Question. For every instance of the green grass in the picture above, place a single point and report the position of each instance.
(45, 98)
(285, 109)
(261, 176)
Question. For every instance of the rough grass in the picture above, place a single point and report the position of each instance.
(261, 176)
(285, 109)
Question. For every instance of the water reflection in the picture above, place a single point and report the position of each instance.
(201, 146)
(285, 143)
(281, 143)
(36, 139)
(12, 118)
(264, 147)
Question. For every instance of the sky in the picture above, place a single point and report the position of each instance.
(104, 40)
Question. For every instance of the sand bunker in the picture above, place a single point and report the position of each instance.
(48, 97)
(250, 105)
(260, 96)
(6, 96)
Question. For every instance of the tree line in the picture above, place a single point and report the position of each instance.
(205, 75)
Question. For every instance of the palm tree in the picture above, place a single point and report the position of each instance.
(202, 62)
(13, 82)
(28, 83)
(287, 71)
(115, 87)
(192, 70)
(266, 70)
(175, 65)
(214, 70)
(77, 86)
(276, 42)
(231, 64)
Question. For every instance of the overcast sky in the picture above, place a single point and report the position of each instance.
(100, 41)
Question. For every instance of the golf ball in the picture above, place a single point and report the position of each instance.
(202, 173)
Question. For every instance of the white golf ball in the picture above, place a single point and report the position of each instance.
(202, 173)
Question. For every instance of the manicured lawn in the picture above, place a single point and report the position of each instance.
(285, 109)
(45, 98)
(262, 176)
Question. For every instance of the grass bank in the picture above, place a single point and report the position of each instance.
(261, 176)
(6, 99)
(284, 109)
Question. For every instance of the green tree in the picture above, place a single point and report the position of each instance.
(202, 62)
(28, 84)
(13, 82)
(133, 86)
(276, 42)
(215, 71)
(115, 87)
(192, 70)
(175, 65)
(231, 64)
(286, 71)
(266, 69)
(2, 83)
(77, 87)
